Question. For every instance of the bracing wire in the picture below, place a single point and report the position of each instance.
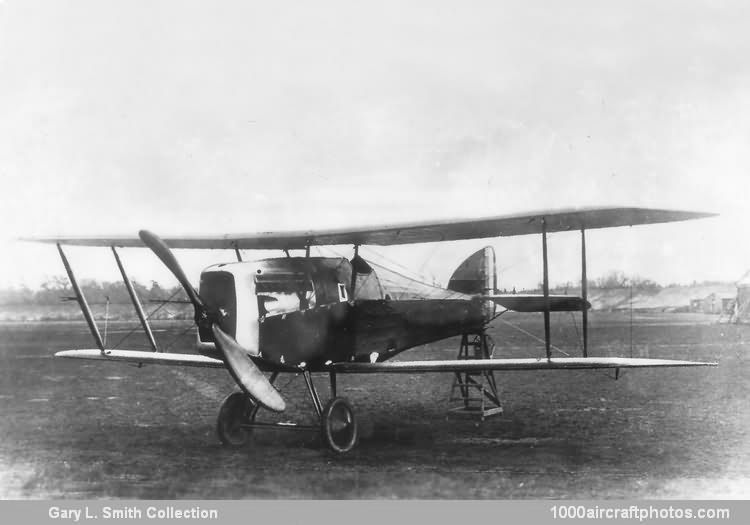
(414, 278)
(132, 331)
(414, 275)
(578, 334)
(175, 338)
(106, 320)
(551, 345)
(631, 318)
(534, 337)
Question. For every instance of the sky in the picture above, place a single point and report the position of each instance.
(225, 117)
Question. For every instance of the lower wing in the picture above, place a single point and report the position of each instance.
(141, 357)
(452, 365)
(478, 365)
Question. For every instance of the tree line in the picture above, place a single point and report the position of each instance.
(58, 289)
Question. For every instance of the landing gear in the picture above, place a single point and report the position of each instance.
(236, 415)
(336, 421)
(338, 425)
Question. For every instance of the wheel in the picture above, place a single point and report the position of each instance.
(236, 409)
(339, 426)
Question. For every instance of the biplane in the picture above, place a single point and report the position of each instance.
(303, 314)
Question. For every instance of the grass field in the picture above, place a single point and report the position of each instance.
(74, 429)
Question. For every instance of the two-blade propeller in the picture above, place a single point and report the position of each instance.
(244, 371)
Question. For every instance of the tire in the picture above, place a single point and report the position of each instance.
(236, 409)
(339, 426)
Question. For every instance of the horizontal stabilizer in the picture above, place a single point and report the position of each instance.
(536, 302)
(478, 365)
(138, 356)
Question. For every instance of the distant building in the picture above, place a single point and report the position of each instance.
(742, 305)
(727, 304)
(702, 298)
(721, 302)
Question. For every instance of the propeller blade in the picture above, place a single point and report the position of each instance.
(244, 371)
(163, 252)
(247, 375)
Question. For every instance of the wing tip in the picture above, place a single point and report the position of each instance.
(699, 214)
(47, 240)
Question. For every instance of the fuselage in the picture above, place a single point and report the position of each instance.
(313, 310)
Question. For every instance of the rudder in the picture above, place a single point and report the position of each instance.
(476, 275)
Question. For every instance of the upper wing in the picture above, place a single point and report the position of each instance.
(408, 233)
(478, 365)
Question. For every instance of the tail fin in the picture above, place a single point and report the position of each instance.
(476, 275)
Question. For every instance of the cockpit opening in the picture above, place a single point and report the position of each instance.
(281, 293)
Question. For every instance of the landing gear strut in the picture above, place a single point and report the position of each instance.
(336, 421)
